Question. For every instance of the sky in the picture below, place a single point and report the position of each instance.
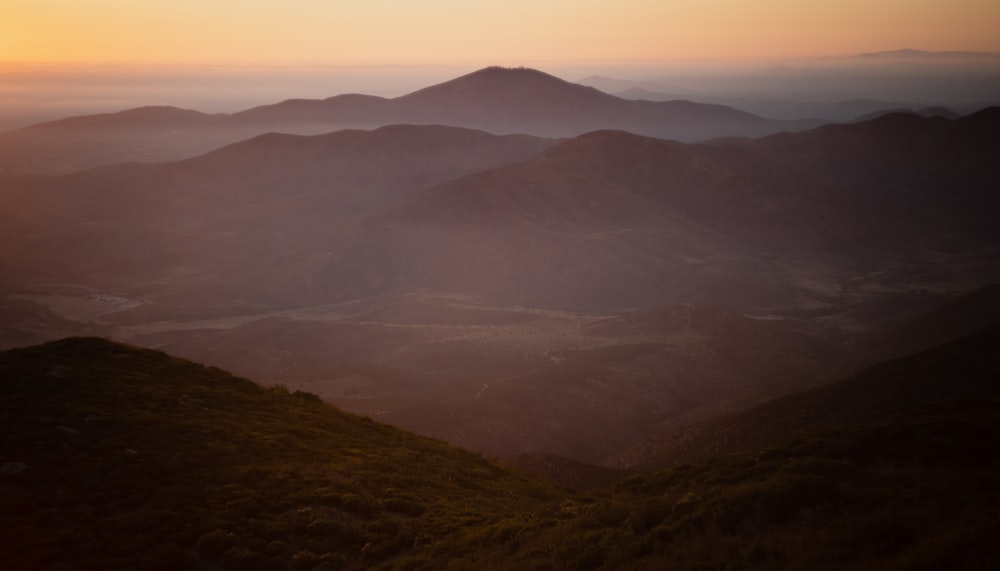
(69, 57)
(527, 32)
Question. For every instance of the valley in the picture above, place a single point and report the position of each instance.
(505, 321)
(514, 294)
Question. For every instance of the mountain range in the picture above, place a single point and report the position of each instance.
(447, 279)
(772, 350)
(604, 221)
(495, 99)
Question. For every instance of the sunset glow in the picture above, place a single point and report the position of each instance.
(455, 31)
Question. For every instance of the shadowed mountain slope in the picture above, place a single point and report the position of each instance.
(958, 372)
(939, 172)
(955, 319)
(613, 221)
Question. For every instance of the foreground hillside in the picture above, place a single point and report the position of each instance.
(116, 457)
(120, 458)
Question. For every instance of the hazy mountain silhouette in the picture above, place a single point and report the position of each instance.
(524, 100)
(774, 107)
(605, 221)
(443, 253)
(923, 112)
(140, 117)
(494, 99)
(146, 134)
(227, 220)
(909, 53)
(615, 221)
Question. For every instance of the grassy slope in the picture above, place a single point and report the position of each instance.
(916, 493)
(115, 457)
(136, 459)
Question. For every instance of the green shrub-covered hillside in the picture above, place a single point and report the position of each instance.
(121, 458)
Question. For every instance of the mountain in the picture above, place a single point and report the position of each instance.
(958, 317)
(495, 99)
(611, 221)
(144, 134)
(923, 112)
(955, 373)
(206, 227)
(773, 107)
(118, 457)
(901, 163)
(909, 53)
(521, 100)
(345, 110)
(162, 116)
(398, 271)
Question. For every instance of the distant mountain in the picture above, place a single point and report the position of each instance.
(521, 100)
(144, 134)
(229, 217)
(774, 108)
(608, 221)
(138, 118)
(611, 221)
(471, 258)
(341, 110)
(908, 53)
(924, 112)
(495, 99)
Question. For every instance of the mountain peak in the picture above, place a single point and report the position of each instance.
(508, 84)
(513, 71)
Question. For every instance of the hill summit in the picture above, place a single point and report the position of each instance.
(509, 86)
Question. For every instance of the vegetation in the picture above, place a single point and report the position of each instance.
(125, 458)
(115, 457)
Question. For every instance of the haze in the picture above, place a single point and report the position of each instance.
(60, 58)
(732, 268)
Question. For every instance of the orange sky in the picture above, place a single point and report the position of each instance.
(505, 32)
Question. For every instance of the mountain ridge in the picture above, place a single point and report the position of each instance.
(502, 101)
